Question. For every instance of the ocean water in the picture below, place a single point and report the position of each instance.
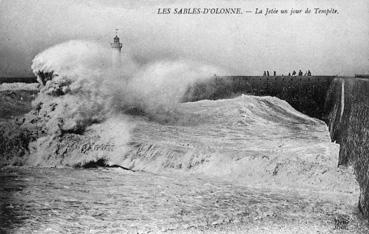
(247, 164)
(118, 201)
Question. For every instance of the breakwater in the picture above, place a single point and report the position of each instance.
(348, 102)
(307, 94)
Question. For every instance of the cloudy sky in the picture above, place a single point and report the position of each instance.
(241, 44)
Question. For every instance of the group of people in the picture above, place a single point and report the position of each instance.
(294, 73)
(266, 73)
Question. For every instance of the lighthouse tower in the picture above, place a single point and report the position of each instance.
(116, 47)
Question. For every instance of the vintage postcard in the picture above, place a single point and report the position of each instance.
(226, 116)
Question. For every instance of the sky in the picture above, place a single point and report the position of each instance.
(244, 44)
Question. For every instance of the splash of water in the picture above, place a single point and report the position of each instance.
(82, 94)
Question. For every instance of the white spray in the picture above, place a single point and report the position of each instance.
(81, 93)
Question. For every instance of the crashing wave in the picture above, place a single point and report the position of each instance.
(84, 99)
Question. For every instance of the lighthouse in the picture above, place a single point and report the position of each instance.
(116, 47)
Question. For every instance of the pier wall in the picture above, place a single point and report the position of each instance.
(348, 101)
(307, 94)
